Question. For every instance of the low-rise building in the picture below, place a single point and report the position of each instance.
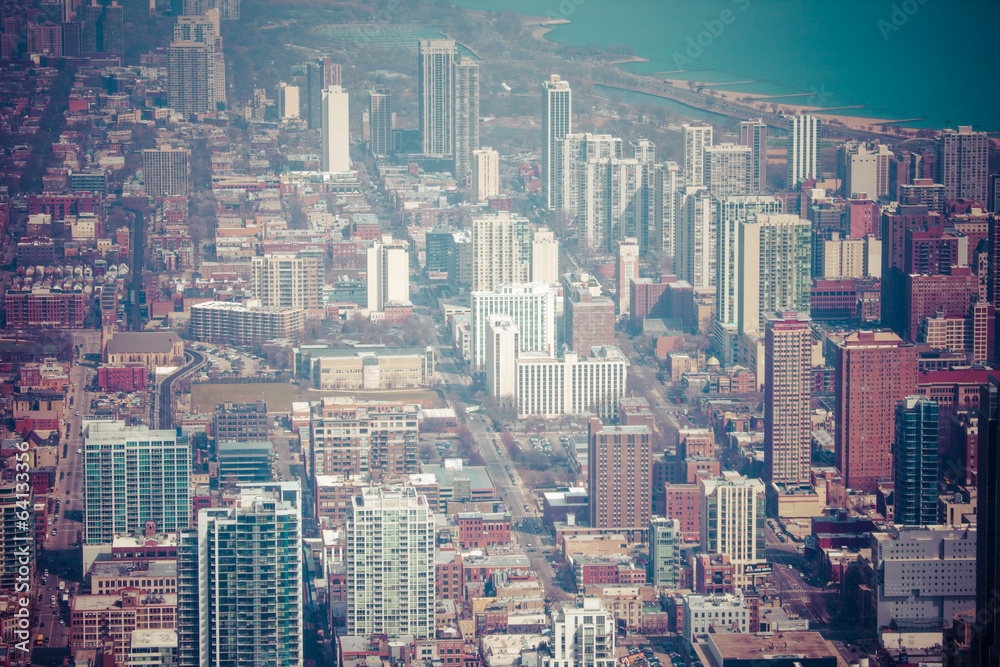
(246, 323)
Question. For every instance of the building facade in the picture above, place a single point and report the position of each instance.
(732, 521)
(915, 462)
(557, 122)
(803, 150)
(619, 468)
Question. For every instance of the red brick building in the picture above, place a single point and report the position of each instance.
(26, 308)
(449, 575)
(122, 378)
(713, 574)
(61, 205)
(477, 530)
(606, 571)
(683, 502)
(589, 320)
(620, 466)
(669, 298)
(925, 295)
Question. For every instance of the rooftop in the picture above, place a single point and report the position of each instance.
(809, 645)
(142, 342)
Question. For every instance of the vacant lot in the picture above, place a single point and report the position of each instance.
(279, 396)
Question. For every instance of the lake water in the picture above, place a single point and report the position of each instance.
(899, 59)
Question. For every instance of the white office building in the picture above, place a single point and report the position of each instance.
(501, 349)
(531, 306)
(544, 256)
(388, 264)
(485, 174)
(557, 122)
(239, 581)
(731, 212)
(390, 564)
(335, 132)
(132, 475)
(501, 250)
(803, 150)
(706, 614)
(289, 105)
(583, 635)
(732, 521)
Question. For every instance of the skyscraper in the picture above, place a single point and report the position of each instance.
(239, 582)
(544, 256)
(502, 345)
(619, 477)
(644, 152)
(986, 638)
(336, 135)
(557, 122)
(501, 250)
(390, 564)
(626, 270)
(667, 184)
(114, 29)
(314, 95)
(206, 29)
(697, 137)
(787, 399)
(732, 521)
(728, 170)
(485, 174)
(873, 371)
(753, 133)
(380, 121)
(774, 265)
(286, 280)
(165, 171)
(915, 462)
(133, 475)
(695, 246)
(388, 274)
(466, 121)
(532, 308)
(803, 150)
(191, 77)
(289, 105)
(436, 95)
(962, 164)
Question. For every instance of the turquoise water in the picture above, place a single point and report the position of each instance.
(898, 59)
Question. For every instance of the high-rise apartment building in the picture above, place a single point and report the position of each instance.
(502, 346)
(239, 582)
(114, 29)
(667, 186)
(532, 308)
(865, 169)
(313, 109)
(466, 121)
(388, 274)
(289, 104)
(206, 29)
(626, 270)
(287, 280)
(873, 371)
(336, 136)
(732, 521)
(696, 237)
(390, 564)
(133, 475)
(697, 137)
(775, 268)
(665, 542)
(501, 250)
(544, 256)
(436, 95)
(962, 164)
(915, 462)
(351, 437)
(643, 151)
(619, 477)
(581, 168)
(787, 401)
(583, 635)
(588, 320)
(166, 172)
(986, 636)
(191, 77)
(753, 133)
(729, 170)
(557, 122)
(803, 150)
(485, 174)
(380, 121)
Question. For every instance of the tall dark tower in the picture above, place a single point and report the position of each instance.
(986, 642)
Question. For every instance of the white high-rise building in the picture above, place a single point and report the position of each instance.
(239, 581)
(732, 521)
(501, 250)
(544, 256)
(803, 150)
(775, 259)
(574, 152)
(289, 105)
(485, 174)
(626, 270)
(644, 151)
(728, 170)
(335, 131)
(501, 349)
(557, 122)
(388, 274)
(390, 564)
(667, 183)
(132, 475)
(695, 247)
(753, 133)
(284, 280)
(466, 139)
(583, 635)
(436, 95)
(191, 76)
(731, 212)
(866, 170)
(532, 308)
(697, 137)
